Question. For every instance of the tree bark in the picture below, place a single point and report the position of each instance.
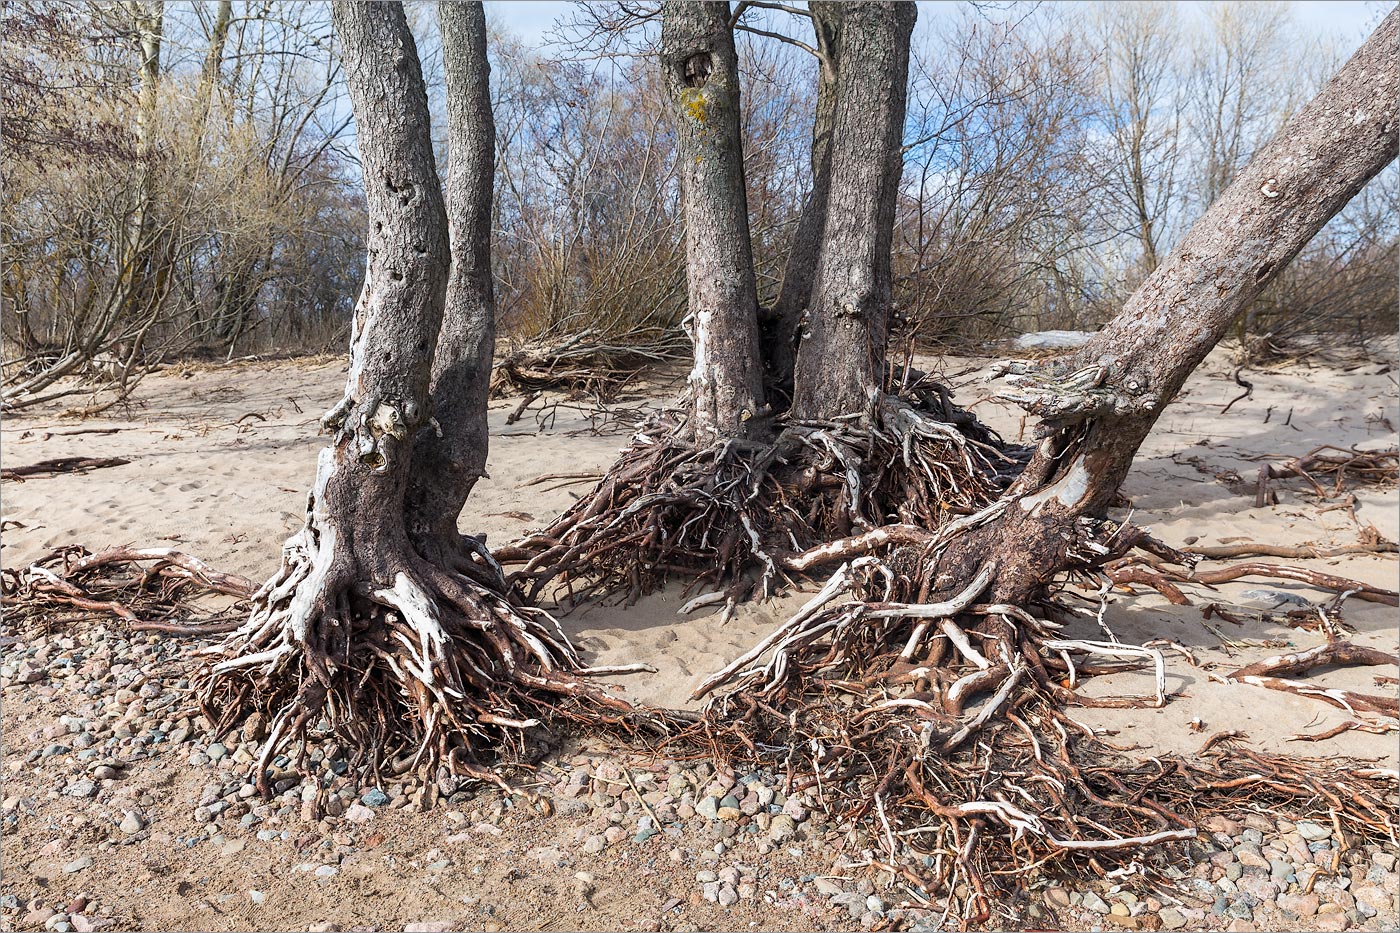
(357, 517)
(448, 461)
(1098, 407)
(780, 324)
(841, 357)
(701, 73)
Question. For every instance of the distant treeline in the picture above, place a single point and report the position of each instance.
(179, 177)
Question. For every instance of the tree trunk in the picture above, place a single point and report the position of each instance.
(449, 460)
(1098, 407)
(410, 660)
(781, 324)
(841, 358)
(701, 72)
(357, 513)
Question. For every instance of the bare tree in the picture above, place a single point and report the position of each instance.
(406, 656)
(1144, 117)
(782, 321)
(984, 570)
(448, 461)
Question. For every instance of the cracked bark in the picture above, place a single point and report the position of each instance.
(700, 70)
(841, 354)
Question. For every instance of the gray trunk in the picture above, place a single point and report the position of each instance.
(782, 322)
(841, 357)
(1097, 417)
(701, 72)
(357, 508)
(448, 461)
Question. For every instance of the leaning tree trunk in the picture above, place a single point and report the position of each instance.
(701, 72)
(841, 359)
(1098, 407)
(449, 460)
(781, 323)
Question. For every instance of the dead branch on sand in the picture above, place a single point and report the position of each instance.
(61, 465)
(1341, 464)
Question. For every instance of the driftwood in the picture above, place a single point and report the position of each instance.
(61, 465)
(1341, 464)
(587, 362)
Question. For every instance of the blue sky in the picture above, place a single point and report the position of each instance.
(1349, 21)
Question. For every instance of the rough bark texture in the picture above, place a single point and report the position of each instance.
(781, 323)
(448, 461)
(841, 357)
(357, 514)
(701, 73)
(1099, 407)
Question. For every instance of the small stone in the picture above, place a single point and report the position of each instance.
(708, 807)
(1171, 918)
(874, 904)
(81, 789)
(327, 871)
(1057, 897)
(1095, 903)
(257, 897)
(728, 897)
(1313, 832)
(828, 887)
(359, 813)
(374, 797)
(77, 865)
(132, 823)
(728, 813)
(1118, 910)
(217, 751)
(782, 828)
(594, 844)
(1301, 905)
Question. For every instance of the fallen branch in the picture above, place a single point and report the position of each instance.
(61, 465)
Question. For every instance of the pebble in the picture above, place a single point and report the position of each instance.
(77, 865)
(374, 797)
(132, 823)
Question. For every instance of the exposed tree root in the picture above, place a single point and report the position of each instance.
(713, 514)
(940, 710)
(155, 597)
(440, 669)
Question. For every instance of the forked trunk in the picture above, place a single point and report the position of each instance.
(448, 460)
(781, 324)
(841, 357)
(1099, 406)
(701, 73)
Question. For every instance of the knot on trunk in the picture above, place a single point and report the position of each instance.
(1061, 398)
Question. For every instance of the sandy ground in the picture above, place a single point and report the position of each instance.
(221, 457)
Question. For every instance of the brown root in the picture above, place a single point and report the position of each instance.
(932, 705)
(712, 515)
(437, 670)
(148, 588)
